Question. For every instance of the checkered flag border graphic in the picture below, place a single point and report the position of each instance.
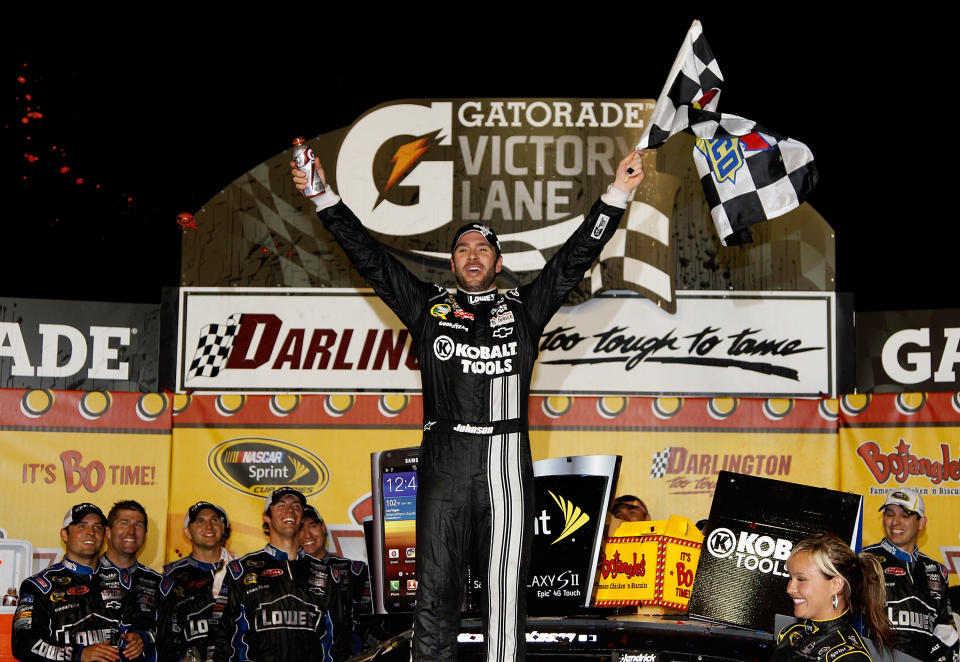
(213, 347)
(658, 468)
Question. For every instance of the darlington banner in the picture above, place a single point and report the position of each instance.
(906, 440)
(66, 447)
(328, 340)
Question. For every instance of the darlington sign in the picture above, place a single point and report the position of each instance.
(269, 339)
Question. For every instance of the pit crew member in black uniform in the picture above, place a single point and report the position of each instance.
(476, 350)
(353, 584)
(917, 601)
(61, 614)
(275, 604)
(829, 585)
(126, 534)
(190, 586)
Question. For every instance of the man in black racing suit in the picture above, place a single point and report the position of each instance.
(353, 584)
(274, 605)
(62, 614)
(190, 586)
(476, 350)
(917, 602)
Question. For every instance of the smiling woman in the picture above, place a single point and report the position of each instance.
(829, 586)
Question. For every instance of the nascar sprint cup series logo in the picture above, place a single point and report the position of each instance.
(257, 466)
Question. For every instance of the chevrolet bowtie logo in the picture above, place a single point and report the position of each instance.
(573, 517)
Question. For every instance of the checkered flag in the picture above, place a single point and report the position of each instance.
(749, 174)
(213, 347)
(658, 469)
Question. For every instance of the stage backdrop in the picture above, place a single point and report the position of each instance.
(416, 170)
(65, 447)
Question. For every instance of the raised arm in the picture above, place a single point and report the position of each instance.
(566, 268)
(403, 293)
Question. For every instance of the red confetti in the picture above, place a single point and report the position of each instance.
(79, 180)
(64, 170)
(129, 198)
(25, 120)
(35, 115)
(28, 97)
(265, 250)
(31, 158)
(21, 79)
(98, 186)
(185, 221)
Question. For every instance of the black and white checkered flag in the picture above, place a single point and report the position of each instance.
(213, 347)
(658, 468)
(749, 174)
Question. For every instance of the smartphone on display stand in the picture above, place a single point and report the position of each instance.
(394, 483)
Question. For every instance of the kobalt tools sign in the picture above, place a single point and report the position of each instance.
(347, 340)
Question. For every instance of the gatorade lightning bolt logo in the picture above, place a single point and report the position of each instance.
(573, 517)
(406, 157)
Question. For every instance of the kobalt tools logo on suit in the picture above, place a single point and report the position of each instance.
(492, 360)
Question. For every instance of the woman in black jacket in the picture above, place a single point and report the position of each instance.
(829, 584)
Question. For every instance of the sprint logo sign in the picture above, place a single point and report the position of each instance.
(573, 519)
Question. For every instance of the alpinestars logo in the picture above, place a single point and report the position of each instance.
(573, 517)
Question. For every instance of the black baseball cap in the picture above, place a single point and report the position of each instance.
(76, 514)
(311, 512)
(485, 230)
(281, 492)
(195, 509)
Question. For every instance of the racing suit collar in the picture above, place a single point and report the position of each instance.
(77, 567)
(474, 298)
(107, 563)
(203, 565)
(898, 553)
(280, 554)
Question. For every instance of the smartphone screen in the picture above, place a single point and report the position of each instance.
(396, 476)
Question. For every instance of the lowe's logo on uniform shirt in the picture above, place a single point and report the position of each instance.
(477, 360)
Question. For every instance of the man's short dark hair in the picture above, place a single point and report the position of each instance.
(129, 504)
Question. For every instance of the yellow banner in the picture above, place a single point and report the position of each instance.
(236, 467)
(906, 440)
(66, 447)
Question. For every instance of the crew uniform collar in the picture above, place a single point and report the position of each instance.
(75, 567)
(203, 565)
(107, 563)
(279, 554)
(898, 553)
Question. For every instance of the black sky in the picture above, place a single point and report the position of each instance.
(161, 122)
